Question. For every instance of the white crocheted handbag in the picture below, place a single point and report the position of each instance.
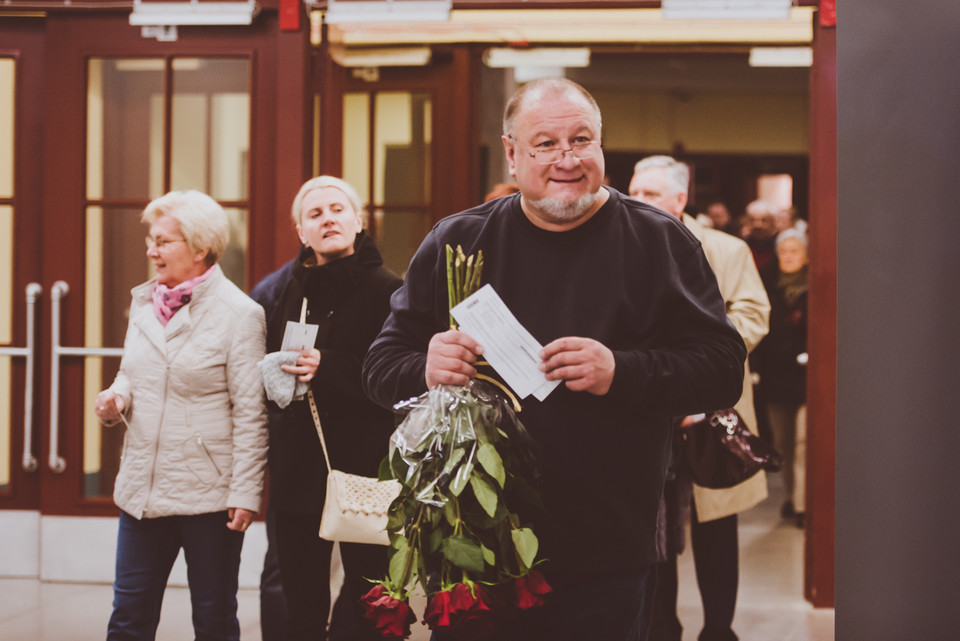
(355, 508)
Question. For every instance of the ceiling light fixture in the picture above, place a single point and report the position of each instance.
(192, 13)
(781, 57)
(359, 11)
(537, 57)
(726, 9)
(382, 57)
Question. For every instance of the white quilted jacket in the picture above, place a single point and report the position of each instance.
(197, 440)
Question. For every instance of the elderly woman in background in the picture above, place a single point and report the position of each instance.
(190, 393)
(783, 376)
(340, 275)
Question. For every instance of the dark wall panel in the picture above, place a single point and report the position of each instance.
(898, 433)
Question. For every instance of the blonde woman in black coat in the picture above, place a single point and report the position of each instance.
(340, 273)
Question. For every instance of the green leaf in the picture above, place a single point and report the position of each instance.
(396, 520)
(398, 563)
(399, 542)
(398, 467)
(490, 460)
(526, 543)
(459, 482)
(383, 472)
(436, 540)
(486, 494)
(463, 553)
(453, 460)
(450, 512)
(488, 555)
(477, 518)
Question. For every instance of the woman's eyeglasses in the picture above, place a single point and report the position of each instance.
(161, 243)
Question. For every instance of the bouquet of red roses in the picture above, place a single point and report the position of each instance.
(461, 526)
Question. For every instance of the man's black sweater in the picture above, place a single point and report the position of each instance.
(634, 279)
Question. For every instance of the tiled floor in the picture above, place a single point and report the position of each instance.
(770, 603)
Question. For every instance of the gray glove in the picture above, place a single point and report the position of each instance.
(281, 387)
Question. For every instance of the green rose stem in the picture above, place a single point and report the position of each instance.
(461, 283)
(451, 291)
(413, 544)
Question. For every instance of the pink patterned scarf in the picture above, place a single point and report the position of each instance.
(167, 300)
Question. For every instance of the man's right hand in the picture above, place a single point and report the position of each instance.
(450, 358)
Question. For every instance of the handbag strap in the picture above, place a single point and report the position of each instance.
(312, 400)
(316, 422)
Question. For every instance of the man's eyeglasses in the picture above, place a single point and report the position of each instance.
(579, 150)
(161, 243)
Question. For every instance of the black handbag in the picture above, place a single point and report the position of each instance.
(721, 452)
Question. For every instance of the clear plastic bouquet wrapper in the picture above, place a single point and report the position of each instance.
(461, 525)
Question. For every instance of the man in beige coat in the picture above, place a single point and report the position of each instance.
(663, 182)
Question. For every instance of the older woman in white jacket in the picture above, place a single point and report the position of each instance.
(190, 393)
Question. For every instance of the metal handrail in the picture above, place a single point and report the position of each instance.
(57, 292)
(29, 352)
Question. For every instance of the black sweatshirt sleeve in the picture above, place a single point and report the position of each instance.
(699, 367)
(394, 367)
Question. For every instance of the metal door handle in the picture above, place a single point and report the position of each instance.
(29, 352)
(57, 292)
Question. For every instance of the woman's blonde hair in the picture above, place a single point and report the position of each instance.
(203, 222)
(318, 183)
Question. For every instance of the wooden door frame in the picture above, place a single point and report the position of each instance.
(70, 40)
(819, 553)
(23, 41)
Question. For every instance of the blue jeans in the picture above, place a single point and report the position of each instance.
(146, 550)
(614, 606)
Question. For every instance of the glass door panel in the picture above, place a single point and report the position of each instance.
(234, 259)
(7, 92)
(387, 156)
(124, 128)
(356, 143)
(401, 233)
(6, 337)
(402, 148)
(211, 127)
(115, 262)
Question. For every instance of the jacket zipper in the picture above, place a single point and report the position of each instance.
(206, 453)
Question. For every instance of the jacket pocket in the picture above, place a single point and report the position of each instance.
(198, 460)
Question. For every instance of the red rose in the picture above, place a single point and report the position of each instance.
(531, 590)
(438, 610)
(390, 616)
(462, 611)
(467, 603)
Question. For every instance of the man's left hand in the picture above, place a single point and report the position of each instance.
(584, 364)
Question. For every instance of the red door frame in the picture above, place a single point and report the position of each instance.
(822, 340)
(23, 41)
(71, 39)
